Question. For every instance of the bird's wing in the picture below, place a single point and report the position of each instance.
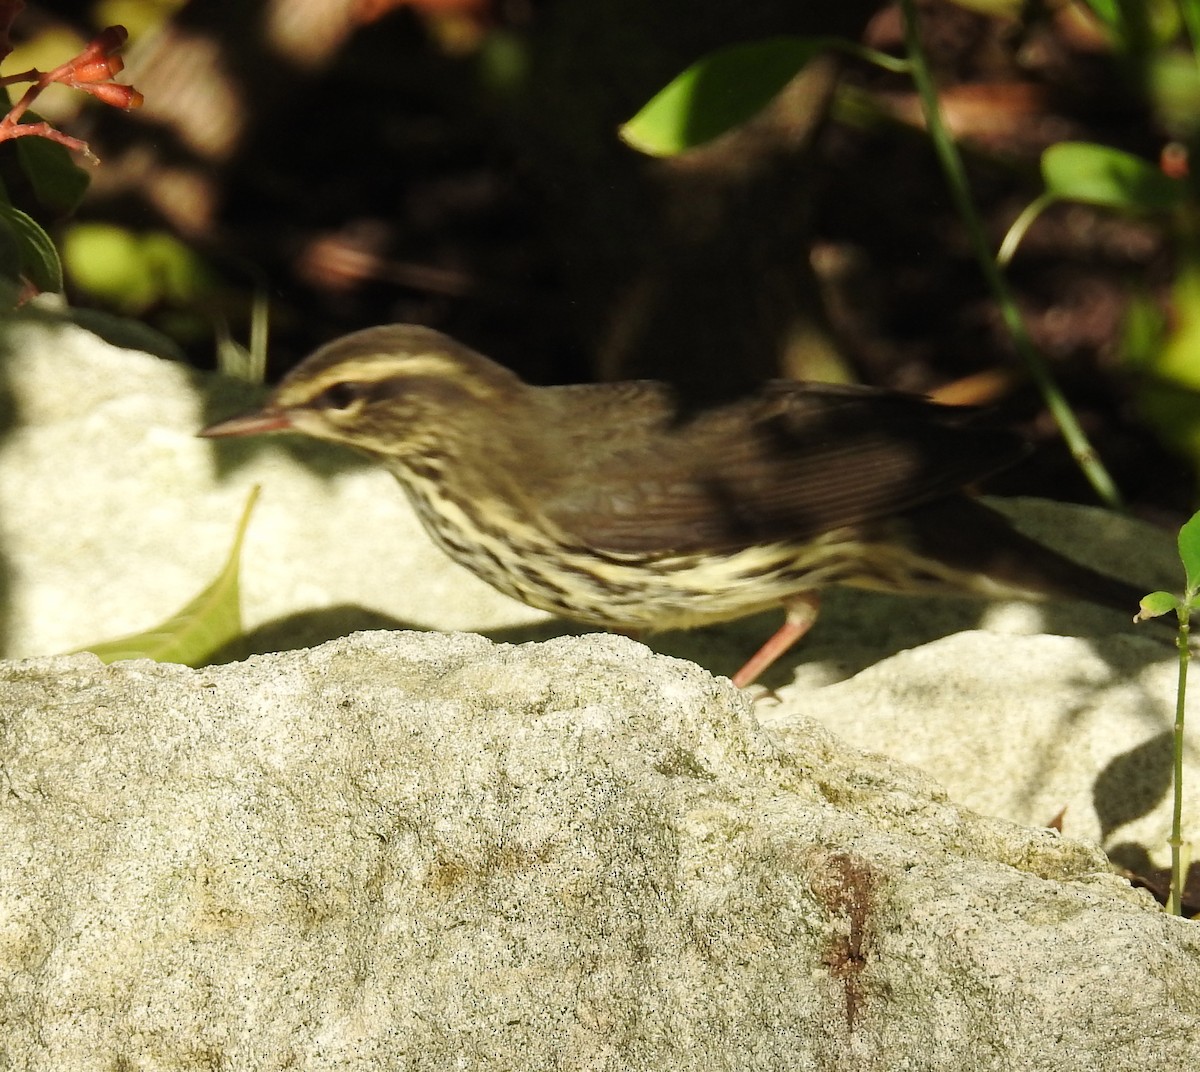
(791, 462)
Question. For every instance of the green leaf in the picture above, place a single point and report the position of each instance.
(132, 270)
(1173, 411)
(1106, 11)
(106, 261)
(57, 182)
(717, 93)
(1099, 175)
(1173, 93)
(1189, 551)
(206, 624)
(247, 363)
(10, 251)
(993, 9)
(1156, 603)
(1141, 28)
(38, 257)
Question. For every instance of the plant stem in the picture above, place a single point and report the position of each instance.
(871, 55)
(32, 75)
(956, 178)
(1175, 897)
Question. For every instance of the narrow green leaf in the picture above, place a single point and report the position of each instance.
(1020, 225)
(203, 626)
(39, 259)
(1189, 551)
(718, 92)
(1156, 603)
(993, 9)
(247, 363)
(1099, 175)
(1106, 11)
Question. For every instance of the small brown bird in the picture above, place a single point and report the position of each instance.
(616, 505)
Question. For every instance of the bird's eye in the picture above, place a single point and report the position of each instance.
(341, 395)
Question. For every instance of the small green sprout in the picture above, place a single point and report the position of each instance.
(1153, 605)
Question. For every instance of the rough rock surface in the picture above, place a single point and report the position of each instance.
(409, 851)
(416, 851)
(1033, 728)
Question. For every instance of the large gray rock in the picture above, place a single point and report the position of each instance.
(413, 851)
(1033, 728)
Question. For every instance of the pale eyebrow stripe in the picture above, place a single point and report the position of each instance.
(369, 370)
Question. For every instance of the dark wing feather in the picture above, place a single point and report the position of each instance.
(791, 462)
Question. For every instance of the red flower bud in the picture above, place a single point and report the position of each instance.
(97, 70)
(108, 40)
(118, 96)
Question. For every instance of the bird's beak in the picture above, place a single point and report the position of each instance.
(265, 420)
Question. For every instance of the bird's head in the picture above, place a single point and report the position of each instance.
(392, 391)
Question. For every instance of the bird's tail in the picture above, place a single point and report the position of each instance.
(966, 534)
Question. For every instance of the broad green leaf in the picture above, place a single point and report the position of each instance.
(717, 93)
(1175, 359)
(10, 251)
(133, 270)
(1173, 88)
(205, 625)
(106, 261)
(57, 182)
(1173, 411)
(1167, 381)
(182, 274)
(1156, 603)
(1189, 551)
(39, 259)
(1143, 329)
(1099, 175)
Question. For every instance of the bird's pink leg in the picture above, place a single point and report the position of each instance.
(802, 611)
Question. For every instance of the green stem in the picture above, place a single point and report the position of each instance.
(887, 62)
(956, 178)
(1020, 225)
(1175, 898)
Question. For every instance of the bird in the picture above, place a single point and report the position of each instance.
(631, 507)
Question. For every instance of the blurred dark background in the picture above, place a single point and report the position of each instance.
(456, 163)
